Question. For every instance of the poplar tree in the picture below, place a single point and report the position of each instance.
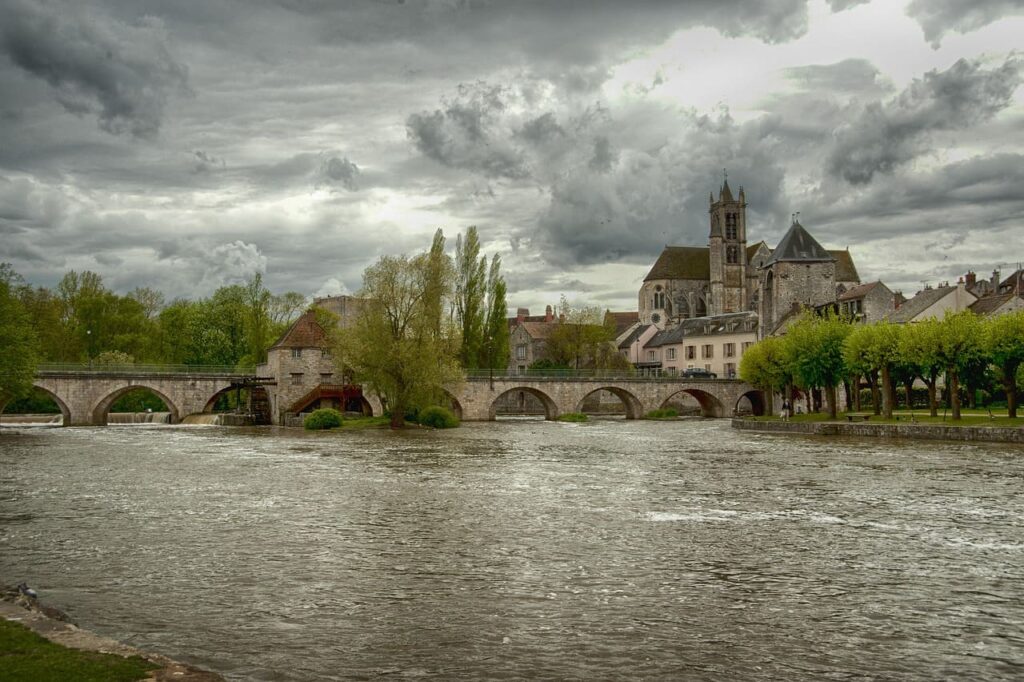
(495, 351)
(470, 295)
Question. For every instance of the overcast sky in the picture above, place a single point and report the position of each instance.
(185, 145)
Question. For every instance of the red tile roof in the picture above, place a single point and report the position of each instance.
(305, 332)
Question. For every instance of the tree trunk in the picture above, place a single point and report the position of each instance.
(909, 385)
(849, 393)
(807, 401)
(876, 402)
(933, 398)
(830, 398)
(954, 392)
(887, 392)
(856, 393)
(1010, 384)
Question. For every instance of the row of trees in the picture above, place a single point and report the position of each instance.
(824, 352)
(81, 320)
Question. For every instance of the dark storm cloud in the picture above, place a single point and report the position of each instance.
(937, 17)
(339, 171)
(95, 64)
(887, 135)
(840, 5)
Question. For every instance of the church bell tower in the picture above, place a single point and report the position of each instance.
(727, 251)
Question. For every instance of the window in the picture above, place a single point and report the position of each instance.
(296, 352)
(671, 353)
(325, 353)
(659, 300)
(730, 350)
(730, 226)
(746, 345)
(325, 377)
(732, 254)
(650, 356)
(691, 352)
(521, 351)
(296, 378)
(730, 370)
(707, 351)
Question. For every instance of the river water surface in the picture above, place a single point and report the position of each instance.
(530, 549)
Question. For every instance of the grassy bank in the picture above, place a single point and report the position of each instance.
(26, 656)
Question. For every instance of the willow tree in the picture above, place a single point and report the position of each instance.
(814, 346)
(397, 345)
(1004, 345)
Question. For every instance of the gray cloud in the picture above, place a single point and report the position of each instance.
(937, 17)
(340, 171)
(122, 72)
(849, 75)
(888, 135)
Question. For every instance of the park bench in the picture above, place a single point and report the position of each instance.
(857, 416)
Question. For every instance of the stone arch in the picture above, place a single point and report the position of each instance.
(758, 405)
(550, 407)
(454, 402)
(710, 406)
(634, 409)
(102, 407)
(65, 412)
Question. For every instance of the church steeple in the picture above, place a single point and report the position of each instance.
(727, 251)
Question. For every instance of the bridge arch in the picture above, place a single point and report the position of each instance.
(453, 402)
(102, 408)
(758, 406)
(65, 412)
(710, 406)
(634, 408)
(550, 407)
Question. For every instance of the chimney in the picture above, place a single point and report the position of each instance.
(995, 281)
(549, 316)
(972, 279)
(521, 314)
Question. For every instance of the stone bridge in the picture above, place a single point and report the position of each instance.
(476, 398)
(85, 395)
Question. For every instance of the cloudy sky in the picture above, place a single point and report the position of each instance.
(185, 145)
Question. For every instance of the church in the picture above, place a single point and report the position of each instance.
(730, 276)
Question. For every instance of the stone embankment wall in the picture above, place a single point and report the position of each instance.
(998, 434)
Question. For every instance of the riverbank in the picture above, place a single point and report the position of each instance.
(55, 626)
(973, 433)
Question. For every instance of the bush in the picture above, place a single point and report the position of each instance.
(573, 417)
(438, 417)
(662, 413)
(324, 418)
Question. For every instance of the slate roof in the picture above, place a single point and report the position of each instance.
(798, 245)
(665, 337)
(986, 305)
(305, 332)
(634, 335)
(846, 271)
(539, 330)
(859, 291)
(917, 305)
(1013, 282)
(623, 320)
(727, 323)
(681, 262)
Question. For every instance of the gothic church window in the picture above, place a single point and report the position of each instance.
(730, 226)
(732, 254)
(659, 300)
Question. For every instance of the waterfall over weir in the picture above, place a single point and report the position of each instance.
(139, 418)
(208, 419)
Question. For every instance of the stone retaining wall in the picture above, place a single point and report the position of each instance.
(997, 434)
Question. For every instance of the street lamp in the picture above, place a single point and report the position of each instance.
(88, 346)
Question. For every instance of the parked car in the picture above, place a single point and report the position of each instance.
(698, 373)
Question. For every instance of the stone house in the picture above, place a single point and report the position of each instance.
(998, 304)
(345, 307)
(715, 343)
(867, 303)
(528, 344)
(631, 345)
(933, 303)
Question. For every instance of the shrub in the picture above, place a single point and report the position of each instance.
(324, 418)
(438, 417)
(662, 413)
(573, 417)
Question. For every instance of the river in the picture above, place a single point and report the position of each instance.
(526, 550)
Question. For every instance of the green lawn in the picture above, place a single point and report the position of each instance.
(26, 656)
(357, 423)
(968, 418)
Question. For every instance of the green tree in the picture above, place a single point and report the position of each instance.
(393, 346)
(1004, 345)
(581, 339)
(814, 346)
(495, 351)
(919, 350)
(18, 341)
(470, 294)
(765, 366)
(875, 347)
(960, 344)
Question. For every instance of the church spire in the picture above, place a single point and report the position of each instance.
(725, 194)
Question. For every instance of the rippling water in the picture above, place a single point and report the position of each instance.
(609, 550)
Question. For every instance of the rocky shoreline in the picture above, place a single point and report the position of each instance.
(20, 606)
(978, 434)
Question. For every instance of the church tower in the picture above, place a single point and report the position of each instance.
(727, 251)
